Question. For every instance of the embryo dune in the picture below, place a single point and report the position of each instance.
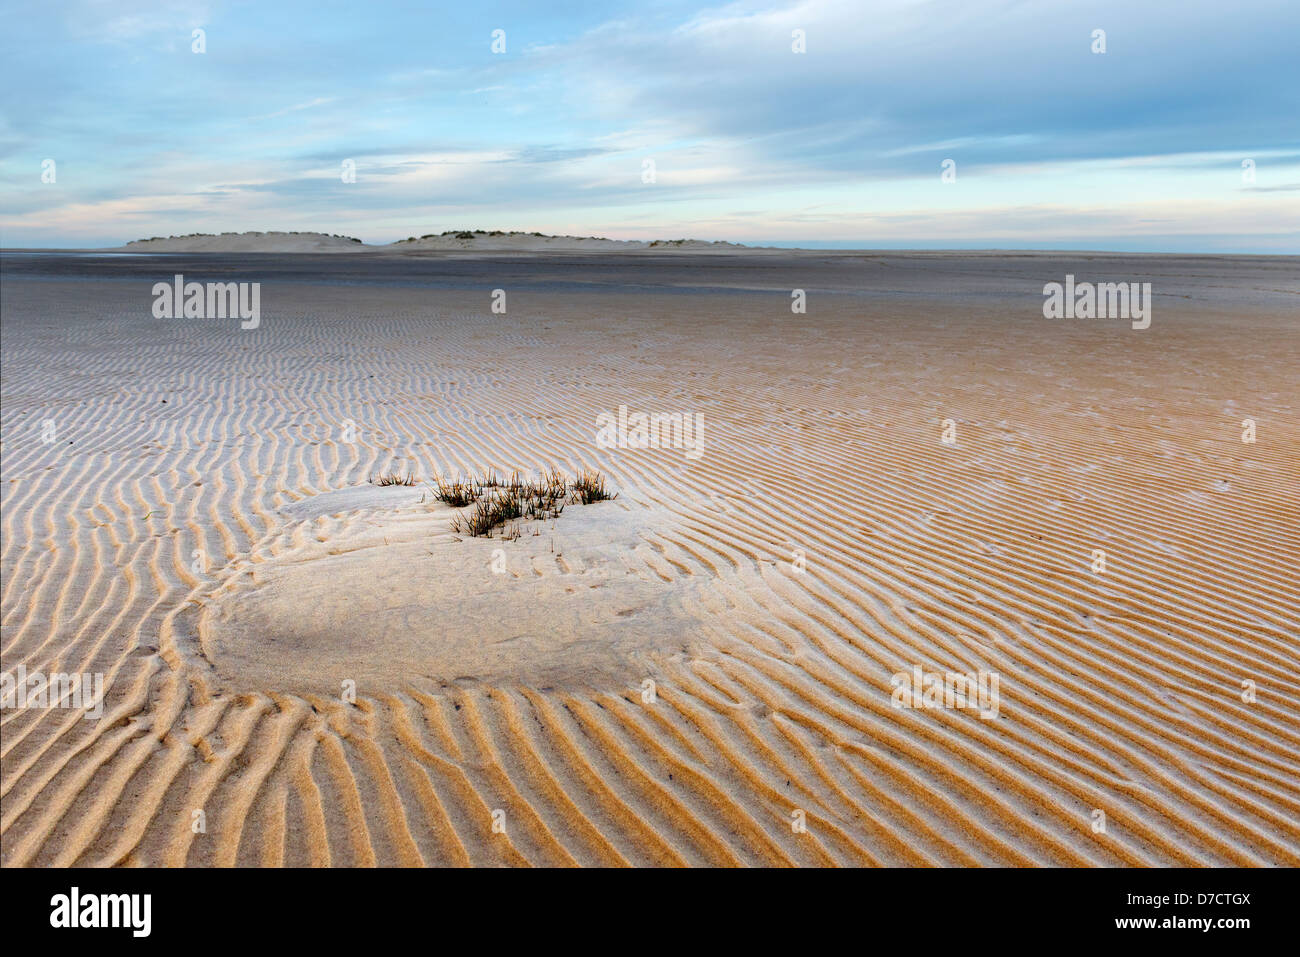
(701, 671)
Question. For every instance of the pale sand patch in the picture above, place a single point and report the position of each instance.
(395, 598)
(358, 498)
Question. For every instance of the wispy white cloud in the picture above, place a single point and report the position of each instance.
(310, 104)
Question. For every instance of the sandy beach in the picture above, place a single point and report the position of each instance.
(921, 474)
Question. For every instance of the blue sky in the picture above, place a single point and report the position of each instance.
(1054, 146)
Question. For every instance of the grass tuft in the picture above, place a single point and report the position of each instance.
(456, 494)
(589, 487)
(394, 478)
(498, 504)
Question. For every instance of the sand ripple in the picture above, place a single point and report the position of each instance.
(183, 488)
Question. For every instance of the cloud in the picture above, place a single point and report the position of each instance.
(556, 131)
(310, 104)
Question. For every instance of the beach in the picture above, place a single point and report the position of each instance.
(726, 665)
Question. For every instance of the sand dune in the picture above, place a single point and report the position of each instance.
(537, 243)
(454, 241)
(202, 531)
(249, 242)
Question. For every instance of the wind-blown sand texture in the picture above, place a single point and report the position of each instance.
(201, 530)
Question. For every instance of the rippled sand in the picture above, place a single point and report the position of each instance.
(689, 673)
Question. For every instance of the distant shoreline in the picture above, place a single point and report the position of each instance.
(533, 244)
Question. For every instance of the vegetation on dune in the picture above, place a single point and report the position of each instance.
(296, 232)
(453, 233)
(455, 494)
(476, 233)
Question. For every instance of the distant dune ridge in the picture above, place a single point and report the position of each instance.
(250, 242)
(452, 239)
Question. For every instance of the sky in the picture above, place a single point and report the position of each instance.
(658, 120)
